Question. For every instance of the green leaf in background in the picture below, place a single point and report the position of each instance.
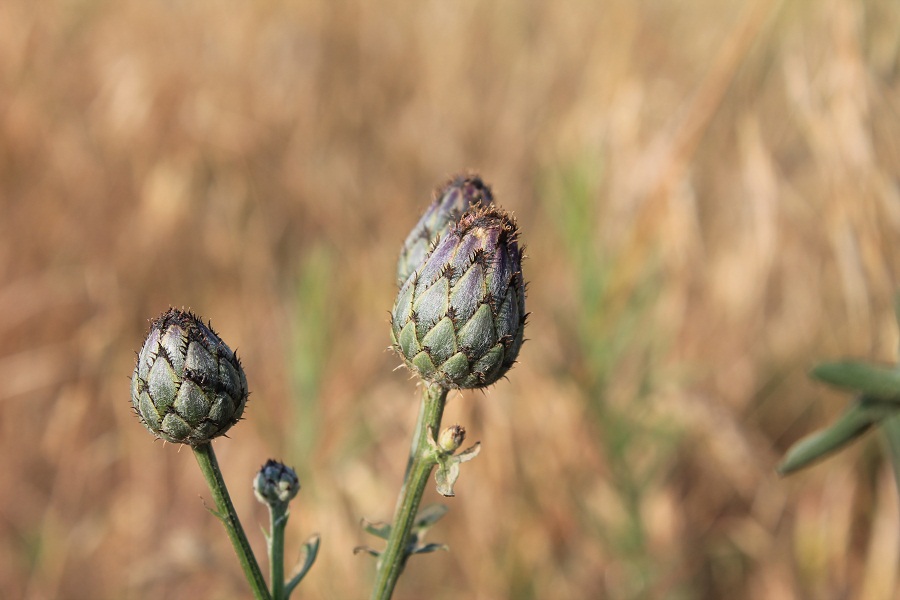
(312, 341)
(874, 381)
(864, 413)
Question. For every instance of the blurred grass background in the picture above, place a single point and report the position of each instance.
(709, 194)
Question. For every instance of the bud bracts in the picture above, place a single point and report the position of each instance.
(275, 483)
(451, 200)
(188, 386)
(459, 319)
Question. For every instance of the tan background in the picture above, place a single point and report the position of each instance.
(709, 193)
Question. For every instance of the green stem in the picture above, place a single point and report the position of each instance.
(891, 428)
(393, 559)
(277, 521)
(414, 447)
(206, 458)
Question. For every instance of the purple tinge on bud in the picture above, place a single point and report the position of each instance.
(188, 386)
(455, 197)
(459, 319)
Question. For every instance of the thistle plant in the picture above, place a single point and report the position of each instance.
(189, 387)
(457, 323)
(876, 405)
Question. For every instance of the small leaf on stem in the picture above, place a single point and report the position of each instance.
(427, 548)
(430, 515)
(379, 529)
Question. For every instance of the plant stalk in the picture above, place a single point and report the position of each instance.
(206, 458)
(393, 559)
(414, 447)
(277, 521)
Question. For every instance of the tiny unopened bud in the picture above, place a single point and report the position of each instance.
(276, 483)
(452, 438)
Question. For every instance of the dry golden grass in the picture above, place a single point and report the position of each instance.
(710, 199)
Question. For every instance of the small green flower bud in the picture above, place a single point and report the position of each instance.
(459, 319)
(452, 438)
(188, 386)
(448, 463)
(451, 200)
(275, 483)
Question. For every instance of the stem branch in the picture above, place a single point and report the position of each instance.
(277, 522)
(393, 559)
(206, 458)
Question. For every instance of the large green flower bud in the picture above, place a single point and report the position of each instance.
(458, 320)
(188, 386)
(451, 200)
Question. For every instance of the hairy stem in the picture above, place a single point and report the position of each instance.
(393, 559)
(206, 458)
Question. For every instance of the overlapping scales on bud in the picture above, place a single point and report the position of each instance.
(188, 386)
(451, 200)
(275, 483)
(458, 321)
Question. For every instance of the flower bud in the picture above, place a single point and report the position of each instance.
(451, 200)
(275, 483)
(452, 438)
(459, 319)
(188, 386)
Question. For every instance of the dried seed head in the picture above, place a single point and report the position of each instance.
(459, 319)
(188, 386)
(451, 200)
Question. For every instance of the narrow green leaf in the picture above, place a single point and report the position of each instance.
(469, 453)
(310, 551)
(379, 529)
(853, 423)
(430, 548)
(430, 515)
(876, 381)
(366, 550)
